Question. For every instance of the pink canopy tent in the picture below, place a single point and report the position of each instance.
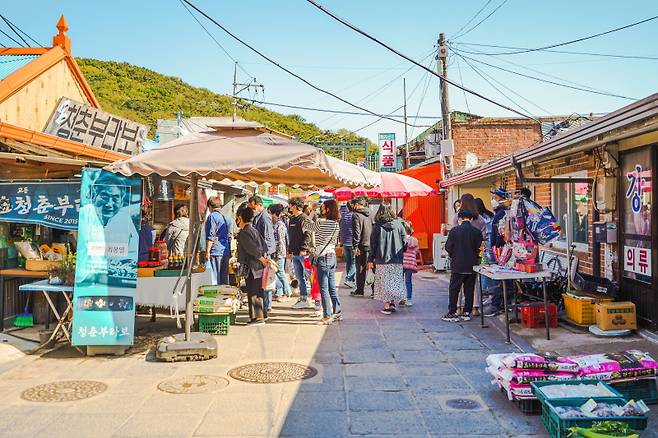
(393, 185)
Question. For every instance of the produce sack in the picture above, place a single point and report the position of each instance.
(516, 390)
(527, 376)
(524, 361)
(540, 221)
(608, 366)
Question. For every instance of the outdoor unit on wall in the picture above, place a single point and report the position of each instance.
(433, 145)
(447, 148)
(606, 193)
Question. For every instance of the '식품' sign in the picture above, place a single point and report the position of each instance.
(79, 122)
(387, 162)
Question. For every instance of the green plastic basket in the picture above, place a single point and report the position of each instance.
(557, 426)
(233, 316)
(537, 389)
(638, 389)
(214, 324)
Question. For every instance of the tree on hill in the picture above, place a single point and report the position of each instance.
(144, 96)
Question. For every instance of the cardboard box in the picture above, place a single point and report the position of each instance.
(616, 316)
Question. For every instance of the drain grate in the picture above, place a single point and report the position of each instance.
(272, 372)
(67, 390)
(195, 384)
(463, 404)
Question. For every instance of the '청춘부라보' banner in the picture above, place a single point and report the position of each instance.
(106, 266)
(52, 203)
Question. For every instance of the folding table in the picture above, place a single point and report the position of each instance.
(63, 321)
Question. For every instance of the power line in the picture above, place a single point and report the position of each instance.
(566, 52)
(11, 38)
(548, 81)
(477, 71)
(322, 110)
(549, 75)
(577, 40)
(474, 16)
(267, 58)
(461, 79)
(215, 40)
(481, 21)
(22, 31)
(420, 103)
(400, 54)
(14, 30)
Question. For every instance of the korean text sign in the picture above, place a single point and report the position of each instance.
(637, 260)
(55, 204)
(387, 160)
(79, 122)
(106, 267)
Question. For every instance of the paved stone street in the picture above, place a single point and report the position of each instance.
(377, 375)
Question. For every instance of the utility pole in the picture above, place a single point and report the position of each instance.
(406, 139)
(237, 91)
(442, 56)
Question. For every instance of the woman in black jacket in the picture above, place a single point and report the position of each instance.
(251, 255)
(388, 242)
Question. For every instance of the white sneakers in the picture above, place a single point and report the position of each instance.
(303, 304)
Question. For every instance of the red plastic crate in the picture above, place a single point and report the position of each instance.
(534, 317)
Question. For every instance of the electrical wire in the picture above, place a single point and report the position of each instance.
(566, 52)
(22, 31)
(578, 40)
(14, 30)
(481, 21)
(546, 80)
(477, 71)
(459, 69)
(290, 72)
(215, 40)
(428, 80)
(376, 121)
(11, 38)
(400, 54)
(549, 75)
(474, 17)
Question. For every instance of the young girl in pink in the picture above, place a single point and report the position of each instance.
(410, 263)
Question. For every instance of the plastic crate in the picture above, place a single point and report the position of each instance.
(638, 389)
(583, 310)
(215, 324)
(535, 316)
(557, 426)
(537, 388)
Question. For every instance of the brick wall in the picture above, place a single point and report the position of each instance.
(492, 138)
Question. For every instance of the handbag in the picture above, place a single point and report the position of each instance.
(315, 256)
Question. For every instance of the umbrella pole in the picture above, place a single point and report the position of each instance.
(194, 219)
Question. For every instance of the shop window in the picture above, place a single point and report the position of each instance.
(579, 209)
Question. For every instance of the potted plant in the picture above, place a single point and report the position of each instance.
(63, 273)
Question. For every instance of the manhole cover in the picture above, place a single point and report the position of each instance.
(462, 404)
(272, 372)
(193, 384)
(68, 390)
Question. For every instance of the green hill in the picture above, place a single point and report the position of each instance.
(144, 96)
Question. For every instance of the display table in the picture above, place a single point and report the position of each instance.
(12, 274)
(64, 320)
(510, 275)
(158, 291)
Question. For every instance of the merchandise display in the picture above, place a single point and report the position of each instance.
(581, 390)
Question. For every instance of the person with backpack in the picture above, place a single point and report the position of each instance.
(218, 240)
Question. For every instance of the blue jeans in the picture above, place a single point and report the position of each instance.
(282, 285)
(301, 275)
(327, 278)
(350, 263)
(219, 266)
(407, 281)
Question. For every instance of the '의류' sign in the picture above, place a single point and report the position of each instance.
(79, 122)
(387, 162)
(637, 260)
(106, 265)
(53, 203)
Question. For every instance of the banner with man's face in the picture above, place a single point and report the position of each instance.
(106, 267)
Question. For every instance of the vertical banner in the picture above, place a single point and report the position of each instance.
(106, 267)
(387, 161)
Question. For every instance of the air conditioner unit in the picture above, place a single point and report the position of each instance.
(447, 148)
(432, 149)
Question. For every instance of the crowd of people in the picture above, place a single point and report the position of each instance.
(379, 252)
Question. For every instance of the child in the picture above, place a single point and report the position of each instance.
(410, 263)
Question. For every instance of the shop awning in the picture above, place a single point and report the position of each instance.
(246, 155)
(623, 123)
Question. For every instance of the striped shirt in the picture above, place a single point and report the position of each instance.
(326, 235)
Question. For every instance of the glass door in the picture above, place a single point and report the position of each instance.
(637, 248)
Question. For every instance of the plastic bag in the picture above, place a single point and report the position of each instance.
(540, 221)
(213, 274)
(370, 277)
(268, 281)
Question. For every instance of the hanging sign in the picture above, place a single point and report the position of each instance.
(637, 260)
(79, 122)
(387, 162)
(638, 183)
(106, 267)
(53, 203)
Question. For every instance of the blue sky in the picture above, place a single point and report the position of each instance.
(161, 35)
